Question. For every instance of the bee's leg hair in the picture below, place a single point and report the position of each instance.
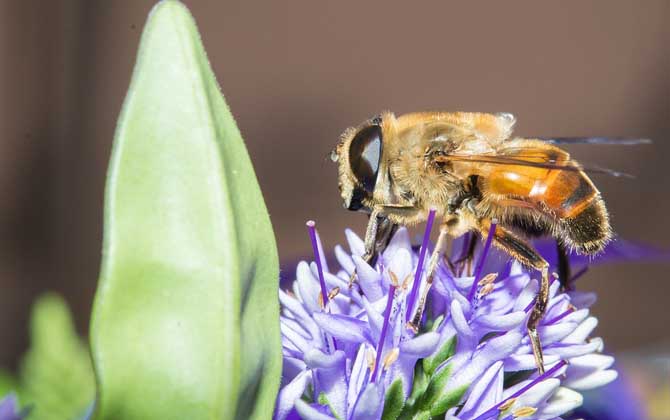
(525, 254)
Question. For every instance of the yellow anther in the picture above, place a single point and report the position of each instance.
(333, 292)
(507, 404)
(405, 284)
(370, 359)
(488, 288)
(391, 357)
(394, 279)
(488, 279)
(524, 411)
(320, 301)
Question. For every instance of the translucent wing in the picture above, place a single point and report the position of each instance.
(621, 141)
(529, 159)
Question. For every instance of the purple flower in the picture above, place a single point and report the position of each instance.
(9, 408)
(349, 353)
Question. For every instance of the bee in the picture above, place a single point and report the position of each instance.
(472, 172)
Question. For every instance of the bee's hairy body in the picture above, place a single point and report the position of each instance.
(416, 174)
(467, 168)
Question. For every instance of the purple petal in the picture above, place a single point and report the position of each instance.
(485, 393)
(399, 241)
(328, 377)
(344, 259)
(401, 265)
(583, 331)
(582, 299)
(550, 334)
(568, 351)
(356, 244)
(369, 406)
(538, 394)
(505, 322)
(287, 396)
(9, 406)
(307, 412)
(344, 327)
(369, 279)
(517, 362)
(495, 349)
(561, 402)
(308, 287)
(594, 380)
(467, 339)
(359, 374)
(421, 346)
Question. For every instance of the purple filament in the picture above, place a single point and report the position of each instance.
(561, 316)
(419, 268)
(579, 274)
(317, 257)
(382, 337)
(532, 302)
(494, 410)
(467, 237)
(482, 260)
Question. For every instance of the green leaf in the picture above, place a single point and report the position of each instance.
(56, 377)
(186, 317)
(445, 351)
(394, 401)
(438, 398)
(419, 384)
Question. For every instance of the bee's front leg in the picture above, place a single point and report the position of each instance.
(378, 234)
(525, 254)
(370, 241)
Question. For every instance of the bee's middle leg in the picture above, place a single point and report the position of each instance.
(435, 257)
(525, 254)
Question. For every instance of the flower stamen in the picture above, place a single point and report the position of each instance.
(419, 267)
(311, 227)
(482, 259)
(492, 411)
(333, 292)
(524, 412)
(385, 326)
(507, 404)
(390, 358)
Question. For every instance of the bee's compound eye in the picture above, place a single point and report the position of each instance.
(365, 152)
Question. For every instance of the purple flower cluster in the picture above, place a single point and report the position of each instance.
(9, 408)
(349, 353)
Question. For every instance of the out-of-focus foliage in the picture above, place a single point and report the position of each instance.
(55, 377)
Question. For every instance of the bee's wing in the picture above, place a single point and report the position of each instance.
(621, 141)
(530, 159)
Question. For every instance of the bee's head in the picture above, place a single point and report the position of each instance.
(358, 154)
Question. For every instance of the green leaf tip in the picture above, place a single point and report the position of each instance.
(55, 375)
(186, 317)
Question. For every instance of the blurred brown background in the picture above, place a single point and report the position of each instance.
(295, 75)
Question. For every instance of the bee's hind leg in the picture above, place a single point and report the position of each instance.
(525, 254)
(563, 266)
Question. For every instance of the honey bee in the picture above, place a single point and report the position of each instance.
(472, 172)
